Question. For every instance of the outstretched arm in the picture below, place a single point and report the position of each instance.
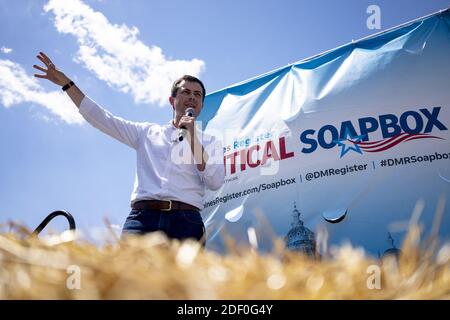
(125, 131)
(58, 77)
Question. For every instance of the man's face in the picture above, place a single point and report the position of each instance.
(189, 95)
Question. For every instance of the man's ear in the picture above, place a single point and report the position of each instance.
(171, 101)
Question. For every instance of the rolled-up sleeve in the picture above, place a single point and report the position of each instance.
(123, 130)
(213, 176)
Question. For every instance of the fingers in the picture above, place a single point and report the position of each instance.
(187, 121)
(45, 57)
(39, 68)
(43, 76)
(43, 60)
(46, 60)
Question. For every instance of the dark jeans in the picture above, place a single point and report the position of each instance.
(177, 224)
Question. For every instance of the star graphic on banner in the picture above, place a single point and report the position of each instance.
(347, 143)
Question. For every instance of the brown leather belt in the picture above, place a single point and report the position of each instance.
(163, 205)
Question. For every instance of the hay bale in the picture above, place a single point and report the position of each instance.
(152, 267)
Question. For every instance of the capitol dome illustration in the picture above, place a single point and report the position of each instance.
(300, 238)
(393, 251)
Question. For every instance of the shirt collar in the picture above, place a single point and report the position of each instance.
(171, 126)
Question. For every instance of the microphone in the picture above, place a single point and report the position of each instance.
(182, 132)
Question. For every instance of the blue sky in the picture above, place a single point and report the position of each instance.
(124, 54)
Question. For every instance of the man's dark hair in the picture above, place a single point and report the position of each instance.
(189, 78)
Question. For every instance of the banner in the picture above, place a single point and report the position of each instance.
(346, 146)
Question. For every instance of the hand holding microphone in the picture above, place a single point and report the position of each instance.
(182, 132)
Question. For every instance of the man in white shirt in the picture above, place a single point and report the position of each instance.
(171, 175)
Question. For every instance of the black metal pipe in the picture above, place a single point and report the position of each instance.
(52, 215)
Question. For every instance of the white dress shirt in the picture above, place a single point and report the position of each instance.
(165, 169)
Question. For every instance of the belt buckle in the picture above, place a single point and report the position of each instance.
(170, 205)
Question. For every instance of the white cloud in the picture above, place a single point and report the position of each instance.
(114, 53)
(6, 50)
(17, 87)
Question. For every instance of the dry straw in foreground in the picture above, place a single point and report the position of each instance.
(152, 267)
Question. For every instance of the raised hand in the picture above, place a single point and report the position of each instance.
(51, 73)
(59, 78)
